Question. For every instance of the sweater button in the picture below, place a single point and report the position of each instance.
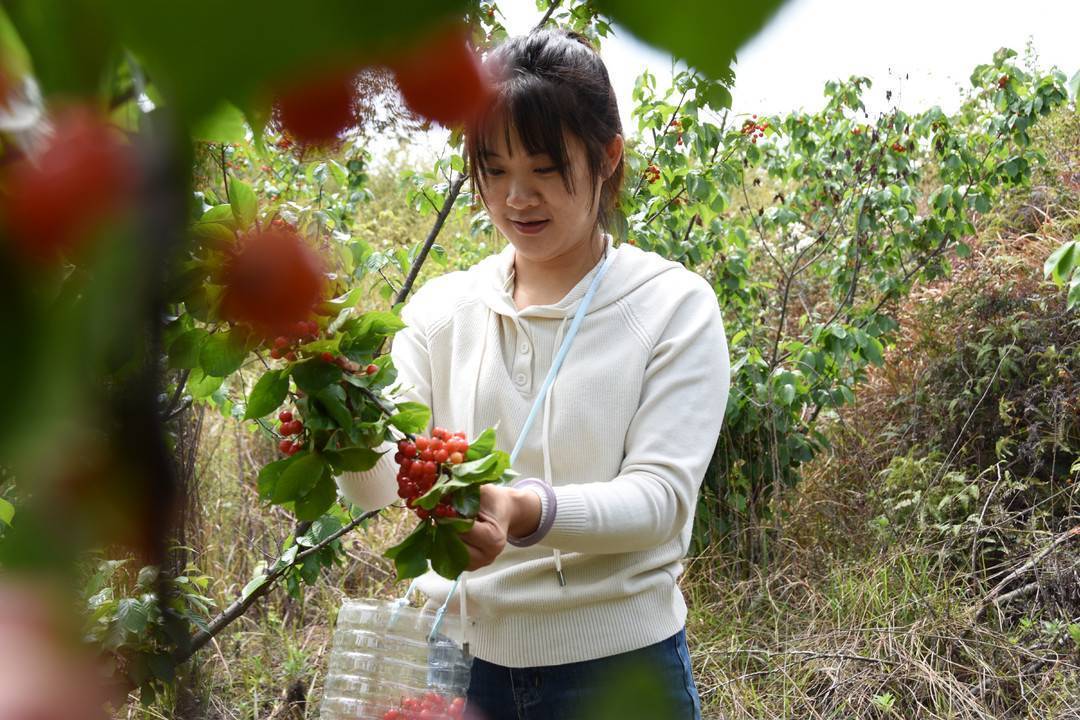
(521, 379)
(524, 348)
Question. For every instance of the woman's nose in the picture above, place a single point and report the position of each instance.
(521, 194)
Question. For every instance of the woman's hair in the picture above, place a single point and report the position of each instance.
(545, 83)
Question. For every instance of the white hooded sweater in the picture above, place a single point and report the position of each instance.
(626, 434)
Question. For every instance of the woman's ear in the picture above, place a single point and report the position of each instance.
(613, 153)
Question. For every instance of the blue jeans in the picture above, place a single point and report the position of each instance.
(654, 682)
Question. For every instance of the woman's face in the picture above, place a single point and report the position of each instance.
(529, 203)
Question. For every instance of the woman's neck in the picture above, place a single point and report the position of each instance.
(548, 281)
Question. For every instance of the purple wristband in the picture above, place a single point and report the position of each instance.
(547, 514)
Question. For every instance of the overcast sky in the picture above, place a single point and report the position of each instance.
(922, 50)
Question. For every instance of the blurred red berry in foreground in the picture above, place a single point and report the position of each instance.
(442, 78)
(317, 109)
(84, 176)
(273, 280)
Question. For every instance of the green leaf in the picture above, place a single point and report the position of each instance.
(244, 203)
(372, 327)
(410, 556)
(467, 501)
(449, 556)
(223, 125)
(268, 394)
(355, 459)
(482, 445)
(319, 499)
(787, 394)
(313, 375)
(332, 398)
(219, 215)
(490, 467)
(1062, 261)
(222, 355)
(705, 33)
(299, 478)
(7, 512)
(271, 473)
(184, 351)
(411, 417)
(201, 385)
(256, 582)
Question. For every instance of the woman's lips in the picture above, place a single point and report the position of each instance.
(529, 228)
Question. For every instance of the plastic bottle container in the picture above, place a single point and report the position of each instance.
(385, 656)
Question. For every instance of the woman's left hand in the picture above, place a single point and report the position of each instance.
(504, 511)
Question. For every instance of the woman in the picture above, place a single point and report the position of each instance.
(574, 569)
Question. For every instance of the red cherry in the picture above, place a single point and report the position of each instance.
(456, 458)
(285, 416)
(290, 356)
(56, 200)
(327, 357)
(275, 354)
(442, 79)
(371, 369)
(316, 110)
(440, 433)
(416, 472)
(407, 448)
(423, 515)
(284, 446)
(427, 454)
(281, 342)
(430, 468)
(271, 281)
(441, 455)
(422, 443)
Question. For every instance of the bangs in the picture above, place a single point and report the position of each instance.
(535, 110)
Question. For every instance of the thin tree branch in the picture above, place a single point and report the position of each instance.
(448, 204)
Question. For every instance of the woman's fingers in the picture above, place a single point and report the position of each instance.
(484, 541)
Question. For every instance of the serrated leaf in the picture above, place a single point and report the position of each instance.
(487, 468)
(332, 399)
(268, 394)
(222, 355)
(222, 214)
(245, 205)
(201, 385)
(298, 478)
(410, 556)
(317, 500)
(449, 556)
(313, 375)
(184, 351)
(482, 445)
(270, 474)
(411, 417)
(255, 583)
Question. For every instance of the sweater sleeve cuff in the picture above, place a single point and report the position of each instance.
(548, 506)
(572, 520)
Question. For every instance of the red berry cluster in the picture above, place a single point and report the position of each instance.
(429, 706)
(420, 463)
(652, 173)
(897, 147)
(1003, 81)
(301, 332)
(856, 131)
(754, 129)
(676, 127)
(289, 426)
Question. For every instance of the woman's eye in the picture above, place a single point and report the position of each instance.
(492, 172)
(546, 169)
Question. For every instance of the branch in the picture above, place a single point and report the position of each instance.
(1029, 565)
(440, 219)
(547, 16)
(241, 605)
